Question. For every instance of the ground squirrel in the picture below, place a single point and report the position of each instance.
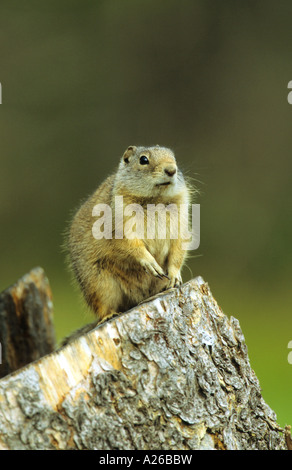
(114, 273)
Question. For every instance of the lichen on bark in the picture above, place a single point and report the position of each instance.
(172, 373)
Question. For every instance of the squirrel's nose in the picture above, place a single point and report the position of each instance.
(170, 170)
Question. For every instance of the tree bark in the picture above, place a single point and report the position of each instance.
(26, 322)
(172, 373)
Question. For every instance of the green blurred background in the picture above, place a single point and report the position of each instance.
(82, 80)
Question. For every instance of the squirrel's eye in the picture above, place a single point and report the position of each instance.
(144, 160)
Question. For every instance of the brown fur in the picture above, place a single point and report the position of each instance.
(117, 274)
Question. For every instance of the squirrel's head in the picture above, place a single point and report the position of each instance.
(150, 172)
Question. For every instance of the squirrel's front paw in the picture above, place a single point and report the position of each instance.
(152, 267)
(175, 279)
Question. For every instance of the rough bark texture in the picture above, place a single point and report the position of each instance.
(172, 373)
(26, 322)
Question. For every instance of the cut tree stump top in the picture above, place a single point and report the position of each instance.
(172, 373)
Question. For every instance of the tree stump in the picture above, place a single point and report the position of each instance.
(26, 322)
(172, 373)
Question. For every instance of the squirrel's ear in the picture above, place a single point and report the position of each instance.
(130, 150)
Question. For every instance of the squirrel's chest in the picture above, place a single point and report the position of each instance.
(161, 232)
(159, 249)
